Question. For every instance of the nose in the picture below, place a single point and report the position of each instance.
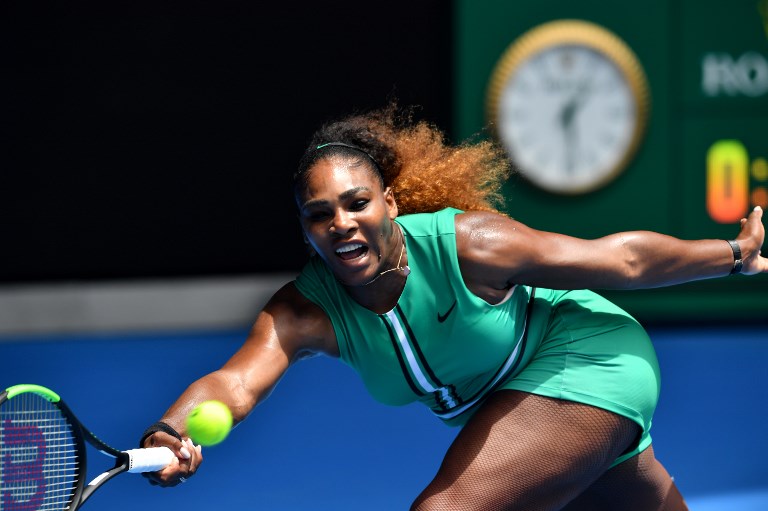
(343, 223)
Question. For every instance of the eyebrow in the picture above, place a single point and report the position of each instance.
(345, 195)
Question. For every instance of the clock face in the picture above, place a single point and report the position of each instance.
(567, 114)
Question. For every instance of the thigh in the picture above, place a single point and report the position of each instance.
(638, 484)
(527, 452)
(594, 353)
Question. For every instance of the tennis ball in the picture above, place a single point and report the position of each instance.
(209, 423)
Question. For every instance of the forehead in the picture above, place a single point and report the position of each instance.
(334, 175)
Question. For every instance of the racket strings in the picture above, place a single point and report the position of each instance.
(39, 464)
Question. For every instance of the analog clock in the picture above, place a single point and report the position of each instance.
(568, 101)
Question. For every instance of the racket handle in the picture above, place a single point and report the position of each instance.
(149, 459)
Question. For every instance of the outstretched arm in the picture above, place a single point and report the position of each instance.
(495, 252)
(288, 328)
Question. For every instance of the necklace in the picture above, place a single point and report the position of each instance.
(405, 269)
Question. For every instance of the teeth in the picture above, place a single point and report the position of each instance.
(348, 248)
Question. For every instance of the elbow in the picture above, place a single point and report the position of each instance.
(632, 269)
(241, 399)
(633, 276)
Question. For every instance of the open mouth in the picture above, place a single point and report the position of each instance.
(352, 251)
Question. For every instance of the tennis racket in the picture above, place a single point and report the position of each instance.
(43, 457)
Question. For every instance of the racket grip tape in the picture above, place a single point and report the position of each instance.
(150, 459)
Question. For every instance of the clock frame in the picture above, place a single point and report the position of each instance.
(606, 45)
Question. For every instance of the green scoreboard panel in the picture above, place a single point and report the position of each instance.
(665, 129)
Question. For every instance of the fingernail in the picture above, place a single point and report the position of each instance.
(185, 453)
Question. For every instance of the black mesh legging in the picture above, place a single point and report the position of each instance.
(531, 453)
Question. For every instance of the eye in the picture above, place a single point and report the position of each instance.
(359, 204)
(316, 216)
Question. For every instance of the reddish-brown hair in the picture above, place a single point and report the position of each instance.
(425, 172)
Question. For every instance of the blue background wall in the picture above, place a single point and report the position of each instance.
(320, 442)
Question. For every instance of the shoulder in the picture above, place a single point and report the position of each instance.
(290, 301)
(491, 248)
(483, 227)
(470, 234)
(418, 224)
(480, 218)
(295, 317)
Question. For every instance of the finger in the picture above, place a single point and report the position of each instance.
(165, 477)
(179, 448)
(174, 474)
(198, 452)
(181, 468)
(169, 471)
(756, 214)
(184, 452)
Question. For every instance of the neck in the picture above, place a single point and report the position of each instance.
(405, 270)
(383, 296)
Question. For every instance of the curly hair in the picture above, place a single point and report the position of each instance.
(425, 172)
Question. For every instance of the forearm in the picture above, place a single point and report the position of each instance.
(657, 260)
(218, 385)
(648, 259)
(288, 326)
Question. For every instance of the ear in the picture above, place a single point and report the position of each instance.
(310, 249)
(303, 232)
(306, 240)
(389, 198)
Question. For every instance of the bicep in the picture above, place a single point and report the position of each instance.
(498, 251)
(288, 328)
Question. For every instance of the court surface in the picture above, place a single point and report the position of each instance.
(321, 443)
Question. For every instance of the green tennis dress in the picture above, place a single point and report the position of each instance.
(447, 348)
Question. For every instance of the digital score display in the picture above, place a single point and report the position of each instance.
(730, 193)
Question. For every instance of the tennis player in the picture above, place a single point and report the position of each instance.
(417, 282)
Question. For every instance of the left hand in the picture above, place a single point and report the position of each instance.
(750, 241)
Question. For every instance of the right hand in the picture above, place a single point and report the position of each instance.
(750, 239)
(188, 459)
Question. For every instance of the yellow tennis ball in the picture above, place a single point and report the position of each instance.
(209, 423)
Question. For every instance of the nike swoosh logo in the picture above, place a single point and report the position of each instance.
(443, 317)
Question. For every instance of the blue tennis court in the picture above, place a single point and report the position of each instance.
(320, 442)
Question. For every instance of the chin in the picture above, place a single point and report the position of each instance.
(354, 280)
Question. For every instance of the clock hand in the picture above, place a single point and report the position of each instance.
(567, 116)
(574, 104)
(568, 112)
(570, 134)
(570, 128)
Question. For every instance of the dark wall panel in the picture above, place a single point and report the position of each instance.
(153, 141)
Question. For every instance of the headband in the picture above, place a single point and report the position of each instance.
(348, 146)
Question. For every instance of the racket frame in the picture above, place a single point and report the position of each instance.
(81, 434)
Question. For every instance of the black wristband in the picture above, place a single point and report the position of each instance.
(158, 426)
(738, 263)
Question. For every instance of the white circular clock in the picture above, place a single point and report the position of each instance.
(569, 103)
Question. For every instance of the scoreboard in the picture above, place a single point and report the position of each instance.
(626, 116)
